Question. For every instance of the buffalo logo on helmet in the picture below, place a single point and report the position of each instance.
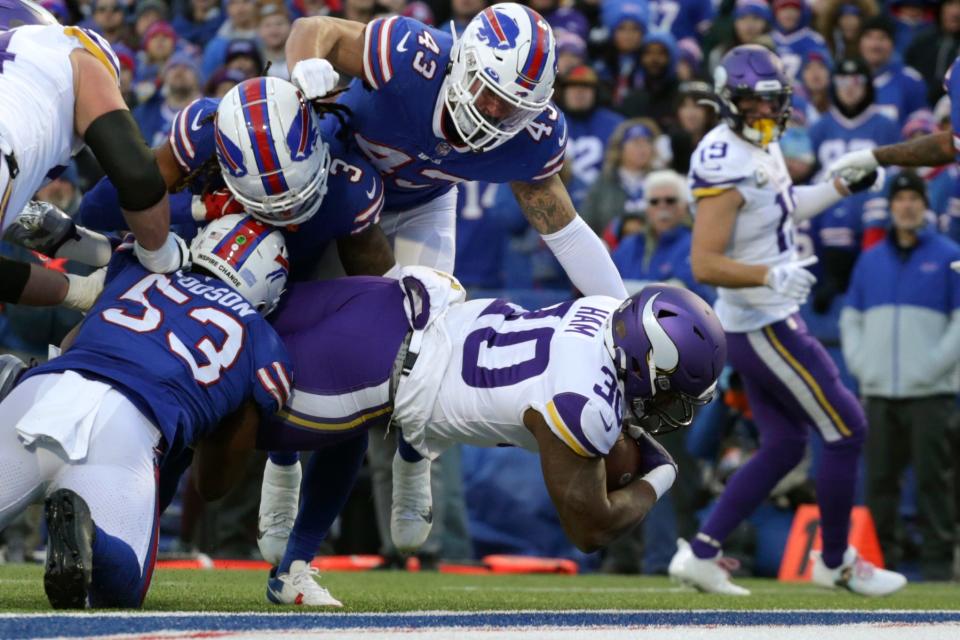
(302, 136)
(280, 272)
(498, 30)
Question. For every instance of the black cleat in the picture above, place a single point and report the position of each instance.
(69, 565)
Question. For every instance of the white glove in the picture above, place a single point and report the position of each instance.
(172, 256)
(315, 77)
(955, 265)
(854, 166)
(83, 291)
(792, 279)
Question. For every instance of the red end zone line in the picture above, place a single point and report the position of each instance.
(493, 564)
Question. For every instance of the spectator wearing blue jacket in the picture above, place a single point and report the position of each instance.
(900, 90)
(900, 331)
(662, 252)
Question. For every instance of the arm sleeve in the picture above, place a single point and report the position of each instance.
(814, 199)
(586, 260)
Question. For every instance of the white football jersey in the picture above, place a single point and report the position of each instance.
(764, 229)
(37, 106)
(505, 360)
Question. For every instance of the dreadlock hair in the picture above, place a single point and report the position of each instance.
(209, 170)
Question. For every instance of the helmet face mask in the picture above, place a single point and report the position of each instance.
(501, 75)
(271, 154)
(748, 76)
(247, 255)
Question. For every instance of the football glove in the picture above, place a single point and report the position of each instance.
(42, 227)
(315, 77)
(854, 167)
(792, 279)
(213, 205)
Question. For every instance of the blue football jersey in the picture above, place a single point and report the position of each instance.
(399, 127)
(185, 348)
(682, 18)
(844, 224)
(794, 47)
(354, 198)
(588, 141)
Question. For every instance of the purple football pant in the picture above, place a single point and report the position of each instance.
(792, 386)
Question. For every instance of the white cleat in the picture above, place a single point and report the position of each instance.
(709, 576)
(279, 499)
(299, 587)
(411, 516)
(856, 575)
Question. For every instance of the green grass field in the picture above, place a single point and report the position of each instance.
(192, 590)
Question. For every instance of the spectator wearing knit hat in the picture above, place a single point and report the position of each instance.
(589, 126)
(158, 44)
(815, 83)
(461, 13)
(109, 20)
(689, 60)
(619, 63)
(244, 56)
(222, 81)
(146, 13)
(655, 96)
(900, 90)
(571, 51)
(793, 36)
(752, 22)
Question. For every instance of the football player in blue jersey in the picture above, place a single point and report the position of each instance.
(925, 151)
(259, 149)
(157, 364)
(430, 112)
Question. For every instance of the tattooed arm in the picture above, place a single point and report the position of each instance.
(926, 151)
(547, 206)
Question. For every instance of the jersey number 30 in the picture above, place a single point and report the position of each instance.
(218, 358)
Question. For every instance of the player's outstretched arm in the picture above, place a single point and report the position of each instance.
(926, 151)
(334, 39)
(220, 459)
(591, 517)
(367, 253)
(547, 206)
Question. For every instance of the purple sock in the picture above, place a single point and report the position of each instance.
(836, 484)
(284, 458)
(747, 489)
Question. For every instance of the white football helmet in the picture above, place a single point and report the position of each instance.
(248, 255)
(502, 74)
(270, 151)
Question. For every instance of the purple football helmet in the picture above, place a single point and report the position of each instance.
(16, 13)
(754, 72)
(669, 349)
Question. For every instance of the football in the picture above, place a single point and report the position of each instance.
(622, 462)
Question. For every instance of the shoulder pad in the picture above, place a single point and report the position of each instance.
(718, 164)
(586, 427)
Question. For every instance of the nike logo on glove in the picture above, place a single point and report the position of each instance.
(373, 190)
(195, 125)
(402, 46)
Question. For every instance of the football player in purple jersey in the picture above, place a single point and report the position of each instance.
(430, 112)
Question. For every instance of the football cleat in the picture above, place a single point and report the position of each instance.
(856, 575)
(706, 575)
(411, 516)
(279, 500)
(299, 587)
(69, 565)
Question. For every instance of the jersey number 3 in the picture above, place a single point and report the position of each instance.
(218, 358)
